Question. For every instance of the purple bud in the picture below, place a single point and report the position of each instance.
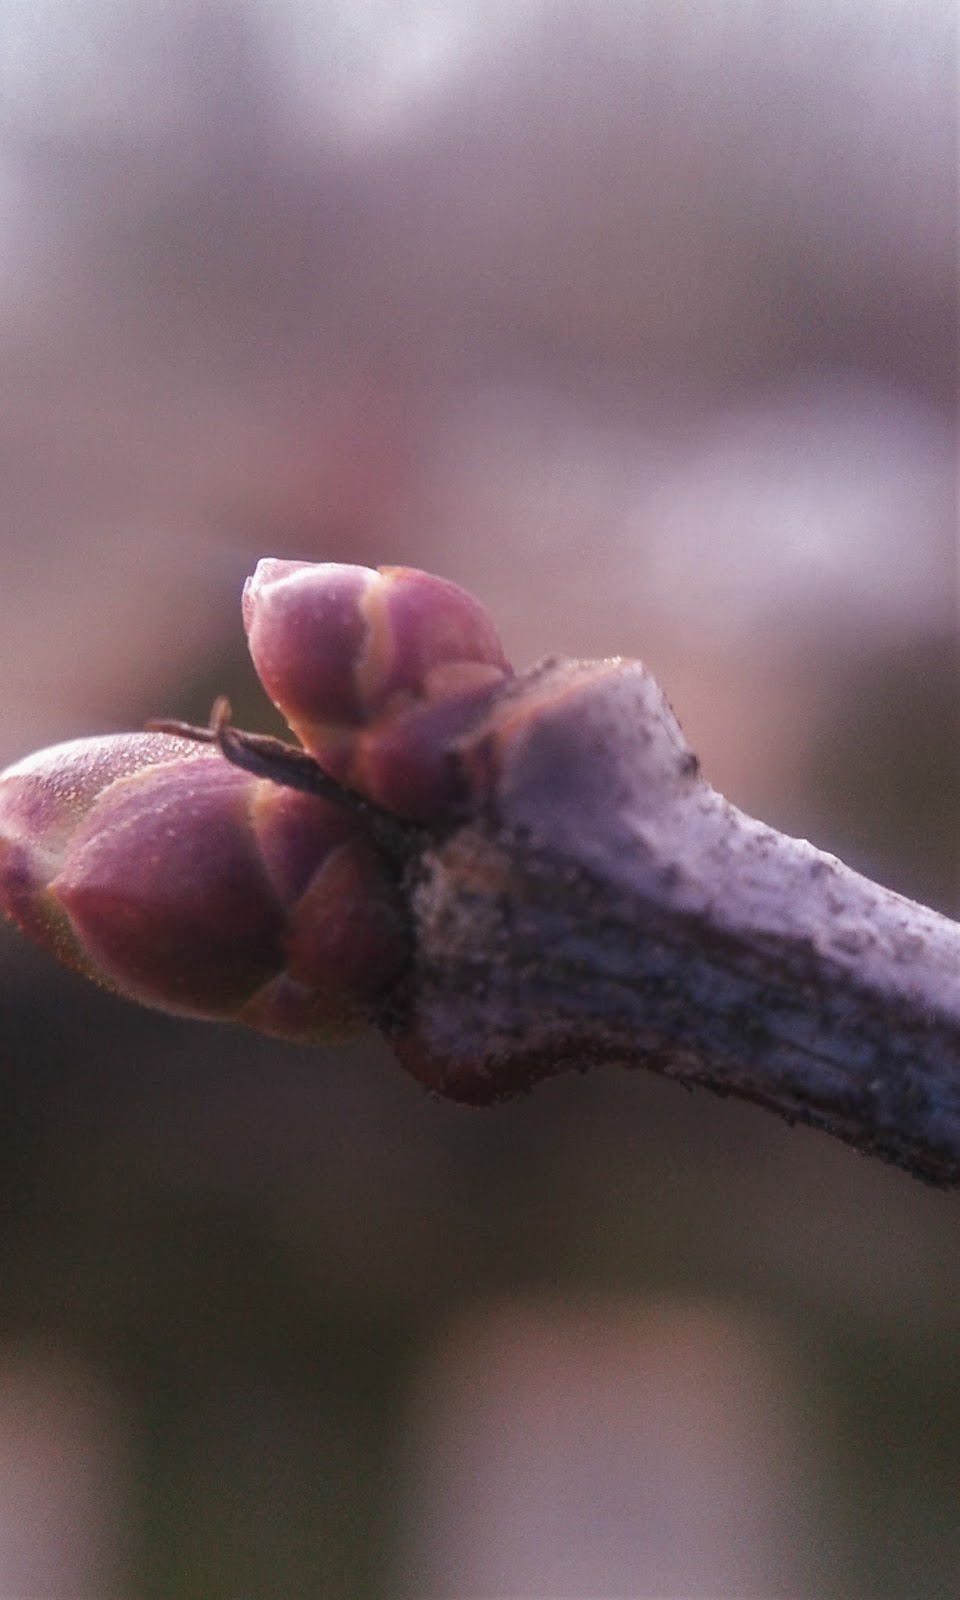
(376, 672)
(306, 629)
(43, 800)
(181, 881)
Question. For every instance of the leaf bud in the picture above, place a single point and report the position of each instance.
(172, 877)
(377, 672)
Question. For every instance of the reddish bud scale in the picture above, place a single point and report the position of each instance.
(172, 877)
(377, 672)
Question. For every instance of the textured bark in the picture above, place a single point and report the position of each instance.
(601, 902)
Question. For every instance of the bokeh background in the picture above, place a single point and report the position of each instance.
(641, 321)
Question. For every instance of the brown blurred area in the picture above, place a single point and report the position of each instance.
(640, 321)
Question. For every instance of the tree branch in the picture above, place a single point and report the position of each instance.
(602, 902)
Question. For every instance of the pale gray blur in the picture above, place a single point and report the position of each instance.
(641, 321)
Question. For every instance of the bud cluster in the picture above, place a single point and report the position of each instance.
(154, 865)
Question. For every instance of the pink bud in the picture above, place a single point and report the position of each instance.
(176, 879)
(376, 672)
(43, 800)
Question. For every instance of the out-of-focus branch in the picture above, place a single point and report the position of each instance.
(601, 902)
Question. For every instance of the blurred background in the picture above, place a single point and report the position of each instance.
(640, 320)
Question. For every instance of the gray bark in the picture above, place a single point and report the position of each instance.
(599, 901)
